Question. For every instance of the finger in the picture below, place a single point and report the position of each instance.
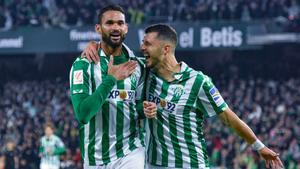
(152, 106)
(129, 72)
(132, 65)
(145, 103)
(85, 55)
(279, 162)
(111, 60)
(267, 164)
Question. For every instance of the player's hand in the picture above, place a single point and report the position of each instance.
(150, 109)
(121, 71)
(271, 158)
(49, 151)
(91, 52)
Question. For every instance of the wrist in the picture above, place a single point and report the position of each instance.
(257, 145)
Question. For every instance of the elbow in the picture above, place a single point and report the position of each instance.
(82, 120)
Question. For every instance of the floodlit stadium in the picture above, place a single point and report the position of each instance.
(249, 49)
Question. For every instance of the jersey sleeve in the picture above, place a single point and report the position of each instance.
(87, 103)
(59, 147)
(80, 82)
(210, 101)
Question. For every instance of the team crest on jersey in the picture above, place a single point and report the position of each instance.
(78, 77)
(215, 94)
(162, 103)
(122, 95)
(178, 91)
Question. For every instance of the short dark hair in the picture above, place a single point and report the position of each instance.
(164, 32)
(110, 8)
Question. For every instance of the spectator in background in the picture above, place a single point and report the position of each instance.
(10, 155)
(51, 147)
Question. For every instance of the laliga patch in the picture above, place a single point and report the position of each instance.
(78, 77)
(215, 94)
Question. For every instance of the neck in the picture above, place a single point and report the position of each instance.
(108, 50)
(167, 68)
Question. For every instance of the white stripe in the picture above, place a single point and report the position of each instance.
(87, 126)
(98, 119)
(205, 101)
(71, 77)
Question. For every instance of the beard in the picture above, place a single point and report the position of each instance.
(107, 39)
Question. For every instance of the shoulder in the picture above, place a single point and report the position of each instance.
(141, 61)
(80, 63)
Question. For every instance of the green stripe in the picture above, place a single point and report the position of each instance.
(201, 138)
(91, 146)
(187, 125)
(160, 122)
(152, 142)
(119, 129)
(81, 139)
(132, 111)
(105, 136)
(132, 127)
(175, 142)
(152, 149)
(92, 131)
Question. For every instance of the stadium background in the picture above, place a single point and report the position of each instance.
(250, 48)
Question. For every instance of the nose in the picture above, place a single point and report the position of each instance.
(116, 26)
(142, 47)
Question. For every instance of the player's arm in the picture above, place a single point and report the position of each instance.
(212, 103)
(91, 52)
(230, 119)
(60, 148)
(86, 106)
(233, 121)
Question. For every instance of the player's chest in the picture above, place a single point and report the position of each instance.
(174, 98)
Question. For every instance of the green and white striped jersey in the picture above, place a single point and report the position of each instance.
(176, 133)
(114, 131)
(53, 143)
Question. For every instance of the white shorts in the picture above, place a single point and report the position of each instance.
(133, 160)
(48, 166)
(149, 166)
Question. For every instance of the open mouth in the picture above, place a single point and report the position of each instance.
(115, 37)
(146, 56)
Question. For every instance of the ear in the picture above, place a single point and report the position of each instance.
(166, 49)
(126, 28)
(98, 28)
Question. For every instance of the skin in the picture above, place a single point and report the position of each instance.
(160, 57)
(113, 30)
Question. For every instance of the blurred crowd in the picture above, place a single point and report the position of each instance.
(270, 107)
(66, 13)
(24, 109)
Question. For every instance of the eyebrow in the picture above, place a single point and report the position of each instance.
(115, 21)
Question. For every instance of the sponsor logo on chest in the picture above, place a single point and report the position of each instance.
(122, 95)
(162, 103)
